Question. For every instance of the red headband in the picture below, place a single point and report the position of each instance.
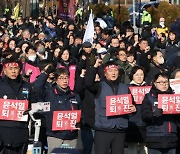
(13, 64)
(110, 66)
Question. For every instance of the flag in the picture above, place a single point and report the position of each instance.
(16, 11)
(89, 33)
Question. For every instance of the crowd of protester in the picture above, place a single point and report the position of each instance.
(46, 60)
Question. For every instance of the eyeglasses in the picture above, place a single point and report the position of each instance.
(65, 78)
(163, 83)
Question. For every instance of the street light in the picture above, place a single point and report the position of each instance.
(134, 15)
(139, 16)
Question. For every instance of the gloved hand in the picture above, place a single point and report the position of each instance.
(157, 113)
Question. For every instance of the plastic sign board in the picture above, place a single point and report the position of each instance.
(118, 104)
(139, 92)
(170, 103)
(13, 109)
(66, 120)
(40, 107)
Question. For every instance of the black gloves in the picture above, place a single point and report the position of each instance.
(157, 113)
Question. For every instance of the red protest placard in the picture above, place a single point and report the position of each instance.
(170, 103)
(13, 109)
(118, 104)
(139, 92)
(65, 120)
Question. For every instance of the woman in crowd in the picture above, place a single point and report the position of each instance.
(131, 59)
(69, 63)
(172, 45)
(136, 129)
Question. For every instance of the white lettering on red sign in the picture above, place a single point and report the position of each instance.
(65, 120)
(13, 109)
(170, 103)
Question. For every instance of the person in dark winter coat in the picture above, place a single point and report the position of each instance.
(161, 133)
(14, 134)
(136, 129)
(161, 43)
(142, 53)
(176, 75)
(109, 131)
(156, 66)
(173, 61)
(172, 45)
(114, 46)
(87, 58)
(88, 111)
(129, 38)
(61, 98)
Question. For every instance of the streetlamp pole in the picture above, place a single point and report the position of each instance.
(139, 17)
(134, 15)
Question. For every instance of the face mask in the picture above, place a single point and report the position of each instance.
(162, 24)
(160, 61)
(32, 58)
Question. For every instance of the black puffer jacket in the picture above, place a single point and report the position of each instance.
(160, 131)
(88, 103)
(15, 133)
(154, 69)
(59, 101)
